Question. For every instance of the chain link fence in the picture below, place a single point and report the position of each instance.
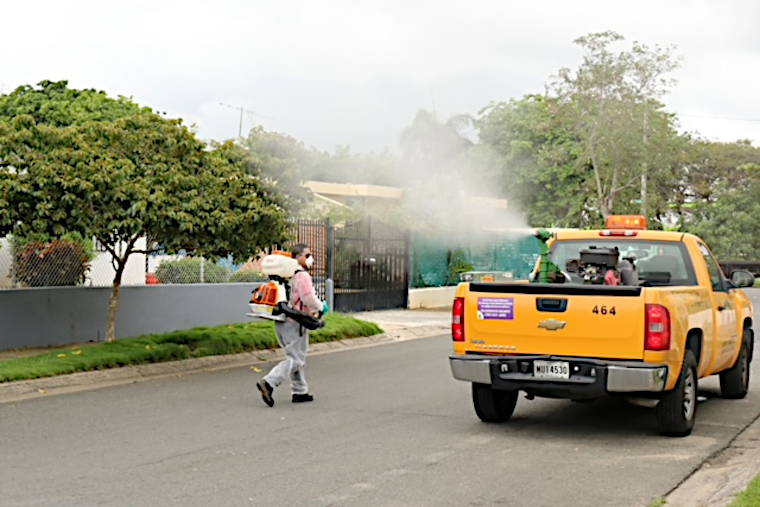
(162, 269)
(66, 263)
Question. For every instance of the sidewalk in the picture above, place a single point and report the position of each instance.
(398, 325)
(409, 321)
(719, 479)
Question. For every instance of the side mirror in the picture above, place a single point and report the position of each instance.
(742, 279)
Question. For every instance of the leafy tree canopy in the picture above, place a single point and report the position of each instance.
(54, 103)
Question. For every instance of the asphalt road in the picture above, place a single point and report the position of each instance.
(389, 427)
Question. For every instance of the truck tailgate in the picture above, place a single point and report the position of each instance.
(571, 320)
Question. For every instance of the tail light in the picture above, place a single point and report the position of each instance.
(657, 325)
(457, 320)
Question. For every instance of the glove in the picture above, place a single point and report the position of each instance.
(325, 308)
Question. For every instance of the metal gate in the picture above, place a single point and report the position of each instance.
(370, 266)
(315, 234)
(368, 262)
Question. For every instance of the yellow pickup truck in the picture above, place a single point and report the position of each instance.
(623, 311)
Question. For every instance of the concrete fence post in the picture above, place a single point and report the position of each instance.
(330, 293)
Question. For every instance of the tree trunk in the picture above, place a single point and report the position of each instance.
(599, 189)
(120, 263)
(644, 169)
(613, 191)
(609, 205)
(113, 306)
(644, 190)
(603, 208)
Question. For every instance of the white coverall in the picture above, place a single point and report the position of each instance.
(293, 338)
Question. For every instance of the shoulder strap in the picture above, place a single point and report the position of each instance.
(293, 280)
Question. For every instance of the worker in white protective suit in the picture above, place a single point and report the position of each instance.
(292, 336)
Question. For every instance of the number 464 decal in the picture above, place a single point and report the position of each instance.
(603, 310)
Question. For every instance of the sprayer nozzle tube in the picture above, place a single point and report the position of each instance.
(543, 235)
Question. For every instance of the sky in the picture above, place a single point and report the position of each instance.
(354, 73)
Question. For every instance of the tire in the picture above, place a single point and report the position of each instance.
(734, 382)
(677, 409)
(493, 406)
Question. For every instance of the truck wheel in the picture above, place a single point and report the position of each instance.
(734, 382)
(677, 409)
(491, 405)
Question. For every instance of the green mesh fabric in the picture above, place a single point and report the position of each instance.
(430, 261)
(437, 257)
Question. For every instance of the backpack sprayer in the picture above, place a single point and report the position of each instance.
(270, 300)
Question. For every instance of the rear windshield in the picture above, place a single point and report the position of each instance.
(660, 263)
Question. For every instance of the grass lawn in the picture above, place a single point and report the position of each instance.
(197, 342)
(750, 497)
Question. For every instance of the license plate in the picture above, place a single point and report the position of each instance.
(551, 369)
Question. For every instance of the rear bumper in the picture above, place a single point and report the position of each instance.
(589, 378)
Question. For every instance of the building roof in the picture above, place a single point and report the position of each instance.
(337, 192)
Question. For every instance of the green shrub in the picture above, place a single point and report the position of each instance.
(458, 263)
(247, 276)
(56, 263)
(188, 270)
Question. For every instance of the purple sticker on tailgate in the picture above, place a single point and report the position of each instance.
(496, 308)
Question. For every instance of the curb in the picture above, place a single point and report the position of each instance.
(74, 382)
(721, 477)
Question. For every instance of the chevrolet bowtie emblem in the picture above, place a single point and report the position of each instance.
(552, 324)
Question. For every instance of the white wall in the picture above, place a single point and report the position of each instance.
(6, 262)
(102, 272)
(433, 297)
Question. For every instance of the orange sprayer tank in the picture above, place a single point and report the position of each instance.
(280, 267)
(266, 294)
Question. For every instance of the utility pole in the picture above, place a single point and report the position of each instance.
(243, 110)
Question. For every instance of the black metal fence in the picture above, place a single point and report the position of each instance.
(367, 260)
(371, 266)
(315, 234)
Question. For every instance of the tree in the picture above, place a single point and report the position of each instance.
(721, 191)
(729, 225)
(288, 163)
(432, 150)
(710, 166)
(612, 100)
(345, 166)
(281, 159)
(54, 103)
(141, 176)
(537, 159)
(441, 169)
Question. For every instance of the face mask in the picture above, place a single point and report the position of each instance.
(310, 261)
